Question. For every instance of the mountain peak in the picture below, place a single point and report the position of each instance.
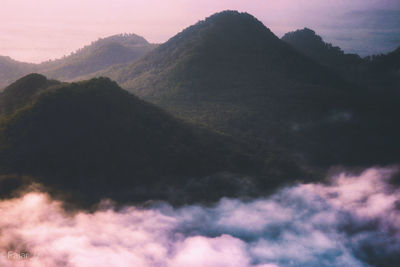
(22, 91)
(214, 54)
(31, 81)
(305, 37)
(123, 39)
(231, 16)
(226, 26)
(311, 44)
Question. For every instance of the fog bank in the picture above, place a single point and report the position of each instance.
(351, 221)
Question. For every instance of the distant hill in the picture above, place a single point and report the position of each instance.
(116, 49)
(378, 71)
(94, 140)
(309, 43)
(99, 55)
(232, 74)
(11, 70)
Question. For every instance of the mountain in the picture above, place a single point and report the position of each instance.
(101, 54)
(232, 74)
(22, 92)
(225, 40)
(11, 70)
(384, 70)
(94, 140)
(377, 71)
(309, 43)
(248, 103)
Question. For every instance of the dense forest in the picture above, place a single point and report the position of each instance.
(232, 74)
(93, 139)
(375, 71)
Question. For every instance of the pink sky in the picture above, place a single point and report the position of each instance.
(39, 30)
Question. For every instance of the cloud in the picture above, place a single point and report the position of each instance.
(353, 220)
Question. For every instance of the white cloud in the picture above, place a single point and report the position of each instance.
(304, 225)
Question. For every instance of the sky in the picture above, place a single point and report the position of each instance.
(35, 31)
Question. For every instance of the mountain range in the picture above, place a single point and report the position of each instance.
(376, 71)
(226, 108)
(231, 73)
(97, 140)
(99, 55)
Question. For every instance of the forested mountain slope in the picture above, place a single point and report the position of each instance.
(232, 74)
(94, 140)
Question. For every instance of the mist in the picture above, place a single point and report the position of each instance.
(352, 220)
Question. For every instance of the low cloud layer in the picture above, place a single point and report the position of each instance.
(352, 221)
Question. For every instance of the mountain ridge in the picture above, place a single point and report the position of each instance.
(98, 55)
(373, 72)
(232, 74)
(94, 140)
(215, 28)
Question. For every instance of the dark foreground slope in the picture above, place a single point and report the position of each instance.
(384, 70)
(231, 73)
(94, 140)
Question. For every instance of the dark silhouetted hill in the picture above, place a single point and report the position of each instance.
(94, 140)
(22, 92)
(384, 70)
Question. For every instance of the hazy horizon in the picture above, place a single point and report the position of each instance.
(43, 30)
